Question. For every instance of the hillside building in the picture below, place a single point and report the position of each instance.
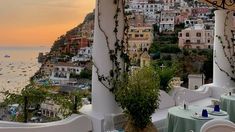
(196, 37)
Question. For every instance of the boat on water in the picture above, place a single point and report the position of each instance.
(7, 56)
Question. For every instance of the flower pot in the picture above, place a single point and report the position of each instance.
(130, 127)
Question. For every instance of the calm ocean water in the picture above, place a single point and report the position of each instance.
(17, 65)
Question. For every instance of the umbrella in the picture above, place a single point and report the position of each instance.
(221, 4)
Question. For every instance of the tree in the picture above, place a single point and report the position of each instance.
(154, 48)
(166, 73)
(36, 95)
(85, 74)
(207, 67)
(174, 49)
(138, 95)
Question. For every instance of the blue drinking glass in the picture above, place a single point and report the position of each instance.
(204, 113)
(217, 108)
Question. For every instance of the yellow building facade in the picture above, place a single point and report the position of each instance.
(140, 40)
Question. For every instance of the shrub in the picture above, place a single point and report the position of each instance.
(138, 95)
(166, 73)
(86, 74)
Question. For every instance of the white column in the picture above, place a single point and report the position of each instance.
(223, 26)
(102, 99)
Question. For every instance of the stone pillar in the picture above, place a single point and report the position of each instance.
(103, 101)
(223, 26)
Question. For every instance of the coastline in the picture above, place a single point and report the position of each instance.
(16, 70)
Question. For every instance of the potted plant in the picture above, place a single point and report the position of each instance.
(138, 95)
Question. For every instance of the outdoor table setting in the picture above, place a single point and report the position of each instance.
(228, 104)
(191, 118)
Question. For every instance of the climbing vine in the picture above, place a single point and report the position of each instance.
(228, 49)
(224, 4)
(117, 55)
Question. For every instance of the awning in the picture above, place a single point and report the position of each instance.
(221, 4)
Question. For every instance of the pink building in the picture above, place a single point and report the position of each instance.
(196, 37)
(181, 18)
(200, 12)
(183, 15)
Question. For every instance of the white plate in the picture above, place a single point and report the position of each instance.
(221, 113)
(199, 117)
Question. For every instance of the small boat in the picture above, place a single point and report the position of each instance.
(7, 56)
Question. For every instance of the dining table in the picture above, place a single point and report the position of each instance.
(228, 104)
(190, 119)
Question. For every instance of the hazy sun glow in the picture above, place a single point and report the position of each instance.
(39, 22)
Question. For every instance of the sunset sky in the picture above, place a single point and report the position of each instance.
(39, 22)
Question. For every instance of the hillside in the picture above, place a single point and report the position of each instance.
(75, 31)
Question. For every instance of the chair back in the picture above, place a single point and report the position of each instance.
(218, 126)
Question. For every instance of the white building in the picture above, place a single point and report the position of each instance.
(183, 3)
(149, 9)
(167, 21)
(172, 3)
(62, 71)
(50, 109)
(84, 55)
(190, 23)
(199, 3)
(195, 81)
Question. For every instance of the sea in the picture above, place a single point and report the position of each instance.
(17, 65)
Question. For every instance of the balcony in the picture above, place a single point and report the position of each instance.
(74, 123)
